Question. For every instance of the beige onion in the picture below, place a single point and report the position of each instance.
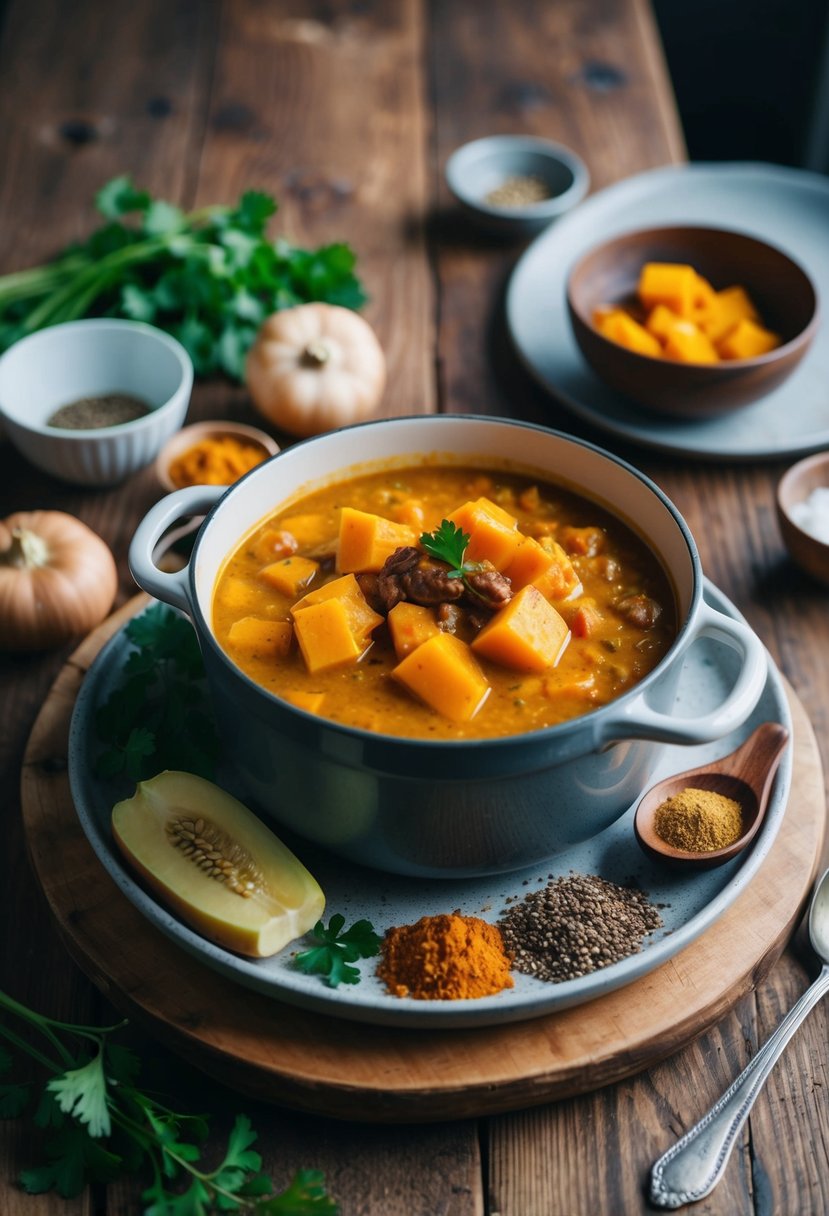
(314, 368)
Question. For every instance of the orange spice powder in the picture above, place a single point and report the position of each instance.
(216, 460)
(447, 957)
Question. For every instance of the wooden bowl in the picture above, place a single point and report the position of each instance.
(795, 486)
(782, 291)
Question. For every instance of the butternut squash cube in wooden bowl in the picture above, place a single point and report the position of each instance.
(691, 322)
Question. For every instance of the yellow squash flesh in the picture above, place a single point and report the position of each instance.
(216, 865)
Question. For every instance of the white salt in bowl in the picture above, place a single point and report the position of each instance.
(90, 358)
(803, 514)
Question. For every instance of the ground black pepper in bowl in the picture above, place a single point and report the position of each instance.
(576, 925)
(92, 413)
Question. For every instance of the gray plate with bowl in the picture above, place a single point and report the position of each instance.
(787, 207)
(692, 905)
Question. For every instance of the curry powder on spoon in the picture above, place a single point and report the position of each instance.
(699, 821)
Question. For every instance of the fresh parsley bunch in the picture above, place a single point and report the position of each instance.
(154, 719)
(100, 1124)
(210, 276)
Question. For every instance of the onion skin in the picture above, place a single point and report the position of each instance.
(58, 580)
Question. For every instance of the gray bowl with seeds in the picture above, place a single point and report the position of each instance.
(515, 185)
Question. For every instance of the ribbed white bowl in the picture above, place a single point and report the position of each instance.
(88, 358)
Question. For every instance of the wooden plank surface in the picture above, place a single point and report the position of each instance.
(347, 110)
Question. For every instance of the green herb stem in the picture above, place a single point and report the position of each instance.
(33, 1051)
(30, 284)
(41, 1020)
(92, 280)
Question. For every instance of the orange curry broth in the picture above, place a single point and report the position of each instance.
(606, 655)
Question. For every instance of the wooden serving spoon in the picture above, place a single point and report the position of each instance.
(746, 775)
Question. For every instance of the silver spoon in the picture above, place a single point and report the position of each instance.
(694, 1165)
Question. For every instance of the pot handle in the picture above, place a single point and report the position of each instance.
(638, 720)
(174, 588)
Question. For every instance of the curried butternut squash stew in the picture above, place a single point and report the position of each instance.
(444, 603)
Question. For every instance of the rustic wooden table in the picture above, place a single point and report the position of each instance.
(347, 111)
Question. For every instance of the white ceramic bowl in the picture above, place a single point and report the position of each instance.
(88, 358)
(483, 165)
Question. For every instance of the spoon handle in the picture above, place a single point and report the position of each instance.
(693, 1166)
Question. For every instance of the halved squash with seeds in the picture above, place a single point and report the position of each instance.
(218, 867)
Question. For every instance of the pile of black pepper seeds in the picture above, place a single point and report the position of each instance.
(575, 925)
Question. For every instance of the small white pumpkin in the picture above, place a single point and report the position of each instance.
(314, 368)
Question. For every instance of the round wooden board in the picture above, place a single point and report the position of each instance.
(347, 1070)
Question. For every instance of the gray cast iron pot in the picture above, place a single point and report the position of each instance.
(446, 808)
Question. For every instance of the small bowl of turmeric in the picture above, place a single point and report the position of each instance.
(707, 815)
(212, 453)
(691, 322)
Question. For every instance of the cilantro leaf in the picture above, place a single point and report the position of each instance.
(82, 1092)
(137, 304)
(153, 719)
(333, 957)
(48, 1112)
(140, 744)
(234, 343)
(148, 627)
(162, 218)
(253, 212)
(74, 1159)
(306, 1196)
(13, 1100)
(239, 1154)
(122, 1065)
(448, 543)
(119, 197)
(192, 1202)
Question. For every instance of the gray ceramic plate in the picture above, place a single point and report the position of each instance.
(692, 903)
(788, 207)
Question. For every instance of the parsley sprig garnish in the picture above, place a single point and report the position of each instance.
(100, 1124)
(210, 276)
(154, 718)
(448, 543)
(336, 951)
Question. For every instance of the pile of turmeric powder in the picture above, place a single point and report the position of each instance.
(445, 958)
(216, 460)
